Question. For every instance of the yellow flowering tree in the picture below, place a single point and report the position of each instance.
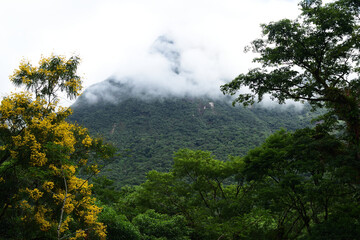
(41, 156)
(55, 73)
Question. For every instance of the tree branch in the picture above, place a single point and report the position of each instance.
(63, 206)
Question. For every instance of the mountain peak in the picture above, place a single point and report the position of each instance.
(166, 47)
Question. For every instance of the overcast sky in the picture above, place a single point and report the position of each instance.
(116, 37)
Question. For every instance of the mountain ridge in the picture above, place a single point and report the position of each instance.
(151, 129)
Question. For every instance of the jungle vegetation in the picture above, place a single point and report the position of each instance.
(301, 183)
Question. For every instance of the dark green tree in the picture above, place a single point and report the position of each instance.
(309, 180)
(210, 194)
(117, 225)
(314, 58)
(301, 180)
(156, 226)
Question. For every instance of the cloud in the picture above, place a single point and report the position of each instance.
(168, 68)
(116, 38)
(194, 53)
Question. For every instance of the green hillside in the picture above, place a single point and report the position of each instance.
(153, 129)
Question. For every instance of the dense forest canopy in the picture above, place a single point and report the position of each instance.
(148, 132)
(296, 185)
(301, 184)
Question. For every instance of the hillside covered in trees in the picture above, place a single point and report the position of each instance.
(149, 131)
(302, 182)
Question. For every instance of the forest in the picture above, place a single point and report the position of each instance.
(146, 133)
(300, 183)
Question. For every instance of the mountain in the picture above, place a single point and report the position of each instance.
(151, 129)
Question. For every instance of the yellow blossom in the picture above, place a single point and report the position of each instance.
(80, 234)
(100, 230)
(65, 225)
(25, 205)
(87, 141)
(56, 171)
(59, 197)
(13, 153)
(34, 194)
(94, 168)
(68, 208)
(40, 218)
(46, 146)
(83, 161)
(70, 169)
(48, 186)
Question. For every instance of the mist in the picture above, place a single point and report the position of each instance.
(169, 68)
(159, 47)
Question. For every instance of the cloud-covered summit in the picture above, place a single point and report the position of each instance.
(118, 39)
(168, 68)
(167, 48)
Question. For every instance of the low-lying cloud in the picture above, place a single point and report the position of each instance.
(122, 39)
(168, 68)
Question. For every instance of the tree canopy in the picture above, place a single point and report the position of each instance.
(313, 58)
(295, 185)
(41, 155)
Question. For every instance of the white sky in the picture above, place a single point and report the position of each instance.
(114, 37)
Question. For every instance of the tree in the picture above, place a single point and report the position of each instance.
(302, 181)
(53, 74)
(309, 179)
(118, 226)
(206, 192)
(293, 186)
(314, 58)
(41, 155)
(156, 226)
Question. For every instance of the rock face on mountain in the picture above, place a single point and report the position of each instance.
(152, 129)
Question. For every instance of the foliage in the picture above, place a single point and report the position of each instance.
(291, 187)
(104, 189)
(155, 226)
(154, 129)
(53, 74)
(41, 155)
(314, 58)
(295, 185)
(118, 227)
(300, 179)
(308, 179)
(195, 189)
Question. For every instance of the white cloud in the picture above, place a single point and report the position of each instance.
(114, 37)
